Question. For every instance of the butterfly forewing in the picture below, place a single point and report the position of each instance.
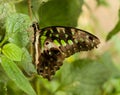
(69, 40)
(57, 43)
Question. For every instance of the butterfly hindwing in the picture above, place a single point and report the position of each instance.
(57, 43)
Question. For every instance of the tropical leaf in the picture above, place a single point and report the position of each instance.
(12, 51)
(56, 12)
(16, 75)
(16, 29)
(115, 30)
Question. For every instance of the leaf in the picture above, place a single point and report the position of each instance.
(26, 62)
(112, 86)
(16, 75)
(12, 51)
(3, 88)
(21, 7)
(20, 38)
(35, 4)
(6, 9)
(102, 2)
(115, 30)
(60, 12)
(16, 29)
(86, 77)
(17, 23)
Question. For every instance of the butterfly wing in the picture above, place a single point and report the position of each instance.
(51, 45)
(58, 43)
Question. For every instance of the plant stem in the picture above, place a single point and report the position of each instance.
(29, 9)
(3, 41)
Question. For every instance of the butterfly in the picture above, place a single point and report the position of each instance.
(55, 43)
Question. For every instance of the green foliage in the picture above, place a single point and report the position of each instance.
(26, 62)
(115, 30)
(55, 12)
(6, 9)
(81, 77)
(112, 86)
(17, 31)
(76, 77)
(102, 2)
(86, 77)
(12, 51)
(16, 75)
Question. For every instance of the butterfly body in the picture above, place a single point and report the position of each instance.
(57, 43)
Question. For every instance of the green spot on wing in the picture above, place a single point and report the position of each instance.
(43, 38)
(66, 35)
(63, 42)
(70, 42)
(57, 35)
(73, 32)
(50, 34)
(75, 40)
(81, 39)
(51, 31)
(56, 42)
(44, 32)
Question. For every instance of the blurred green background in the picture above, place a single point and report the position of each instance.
(95, 72)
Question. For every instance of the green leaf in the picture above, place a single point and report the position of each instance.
(17, 26)
(26, 62)
(115, 30)
(86, 77)
(12, 51)
(16, 75)
(17, 23)
(60, 12)
(102, 2)
(3, 88)
(21, 7)
(35, 4)
(6, 9)
(112, 86)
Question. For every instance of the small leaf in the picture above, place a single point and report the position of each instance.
(102, 2)
(16, 75)
(115, 30)
(12, 51)
(26, 62)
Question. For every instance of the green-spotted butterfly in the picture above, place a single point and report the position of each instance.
(53, 44)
